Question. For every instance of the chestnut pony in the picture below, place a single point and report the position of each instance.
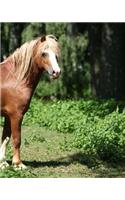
(19, 76)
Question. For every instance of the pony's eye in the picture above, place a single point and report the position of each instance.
(44, 54)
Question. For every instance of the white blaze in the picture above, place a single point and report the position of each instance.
(54, 65)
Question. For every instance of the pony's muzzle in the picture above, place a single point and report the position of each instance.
(55, 74)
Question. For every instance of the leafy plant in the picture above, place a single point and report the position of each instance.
(98, 127)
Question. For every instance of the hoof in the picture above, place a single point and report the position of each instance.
(3, 165)
(20, 166)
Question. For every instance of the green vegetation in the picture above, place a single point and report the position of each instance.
(83, 138)
(98, 127)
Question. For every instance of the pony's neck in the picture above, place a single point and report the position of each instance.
(33, 77)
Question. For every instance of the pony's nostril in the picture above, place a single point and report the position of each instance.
(55, 73)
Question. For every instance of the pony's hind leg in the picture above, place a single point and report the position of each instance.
(5, 140)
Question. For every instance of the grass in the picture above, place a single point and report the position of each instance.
(46, 154)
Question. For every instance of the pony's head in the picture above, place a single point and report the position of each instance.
(46, 53)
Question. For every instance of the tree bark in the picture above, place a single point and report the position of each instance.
(107, 47)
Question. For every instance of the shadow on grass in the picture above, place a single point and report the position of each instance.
(81, 158)
(64, 161)
(98, 167)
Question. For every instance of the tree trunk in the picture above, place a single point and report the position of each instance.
(107, 47)
(15, 35)
(94, 31)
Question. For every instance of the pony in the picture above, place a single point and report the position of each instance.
(19, 76)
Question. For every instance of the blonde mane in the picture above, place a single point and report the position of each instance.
(22, 56)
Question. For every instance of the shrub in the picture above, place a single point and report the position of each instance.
(97, 126)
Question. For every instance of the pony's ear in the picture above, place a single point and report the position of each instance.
(43, 38)
(53, 37)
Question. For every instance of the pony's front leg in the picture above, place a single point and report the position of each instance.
(5, 140)
(16, 121)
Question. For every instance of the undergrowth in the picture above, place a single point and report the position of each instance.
(97, 127)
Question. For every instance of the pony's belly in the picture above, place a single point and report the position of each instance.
(14, 100)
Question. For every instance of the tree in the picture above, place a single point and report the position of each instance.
(32, 30)
(107, 47)
(5, 35)
(15, 35)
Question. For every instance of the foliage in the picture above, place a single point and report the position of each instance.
(47, 89)
(31, 31)
(57, 29)
(98, 127)
(75, 71)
